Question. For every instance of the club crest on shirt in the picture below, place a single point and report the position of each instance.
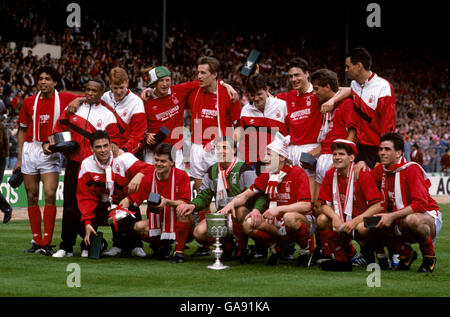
(124, 114)
(99, 123)
(308, 101)
(117, 168)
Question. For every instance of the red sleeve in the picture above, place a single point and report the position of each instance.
(138, 126)
(143, 191)
(416, 189)
(326, 188)
(86, 197)
(302, 189)
(114, 133)
(25, 113)
(371, 193)
(139, 167)
(282, 96)
(377, 174)
(235, 113)
(347, 112)
(184, 89)
(387, 112)
(183, 186)
(260, 183)
(62, 124)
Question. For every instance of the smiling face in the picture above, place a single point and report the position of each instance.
(163, 165)
(258, 98)
(341, 159)
(46, 84)
(224, 151)
(388, 155)
(273, 161)
(298, 78)
(102, 150)
(162, 86)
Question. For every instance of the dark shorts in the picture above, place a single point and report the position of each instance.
(368, 154)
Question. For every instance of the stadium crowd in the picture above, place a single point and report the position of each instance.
(95, 55)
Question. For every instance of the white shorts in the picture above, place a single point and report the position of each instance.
(279, 224)
(295, 152)
(437, 222)
(200, 160)
(324, 163)
(35, 162)
(149, 158)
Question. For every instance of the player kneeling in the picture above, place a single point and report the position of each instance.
(288, 218)
(345, 202)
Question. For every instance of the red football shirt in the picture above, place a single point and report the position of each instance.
(304, 119)
(293, 188)
(168, 111)
(342, 118)
(45, 110)
(365, 191)
(182, 187)
(204, 114)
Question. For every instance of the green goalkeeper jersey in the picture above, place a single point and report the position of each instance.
(240, 178)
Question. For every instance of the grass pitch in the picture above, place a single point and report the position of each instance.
(35, 275)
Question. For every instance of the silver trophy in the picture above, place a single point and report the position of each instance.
(217, 228)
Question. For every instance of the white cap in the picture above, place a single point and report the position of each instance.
(280, 144)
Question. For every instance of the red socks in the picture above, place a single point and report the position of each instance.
(49, 223)
(241, 237)
(427, 248)
(332, 245)
(34, 214)
(301, 236)
(181, 232)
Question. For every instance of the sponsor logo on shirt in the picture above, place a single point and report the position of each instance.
(208, 113)
(301, 114)
(167, 114)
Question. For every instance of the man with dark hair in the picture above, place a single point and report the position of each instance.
(304, 118)
(345, 201)
(104, 180)
(337, 124)
(260, 119)
(213, 115)
(409, 213)
(163, 225)
(37, 118)
(373, 101)
(92, 115)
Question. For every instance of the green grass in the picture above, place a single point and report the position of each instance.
(35, 275)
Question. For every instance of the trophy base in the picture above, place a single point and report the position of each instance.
(217, 266)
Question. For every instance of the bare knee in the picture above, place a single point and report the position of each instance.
(323, 222)
(201, 232)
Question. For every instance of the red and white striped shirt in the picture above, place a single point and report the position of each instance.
(260, 127)
(86, 120)
(374, 103)
(92, 182)
(130, 115)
